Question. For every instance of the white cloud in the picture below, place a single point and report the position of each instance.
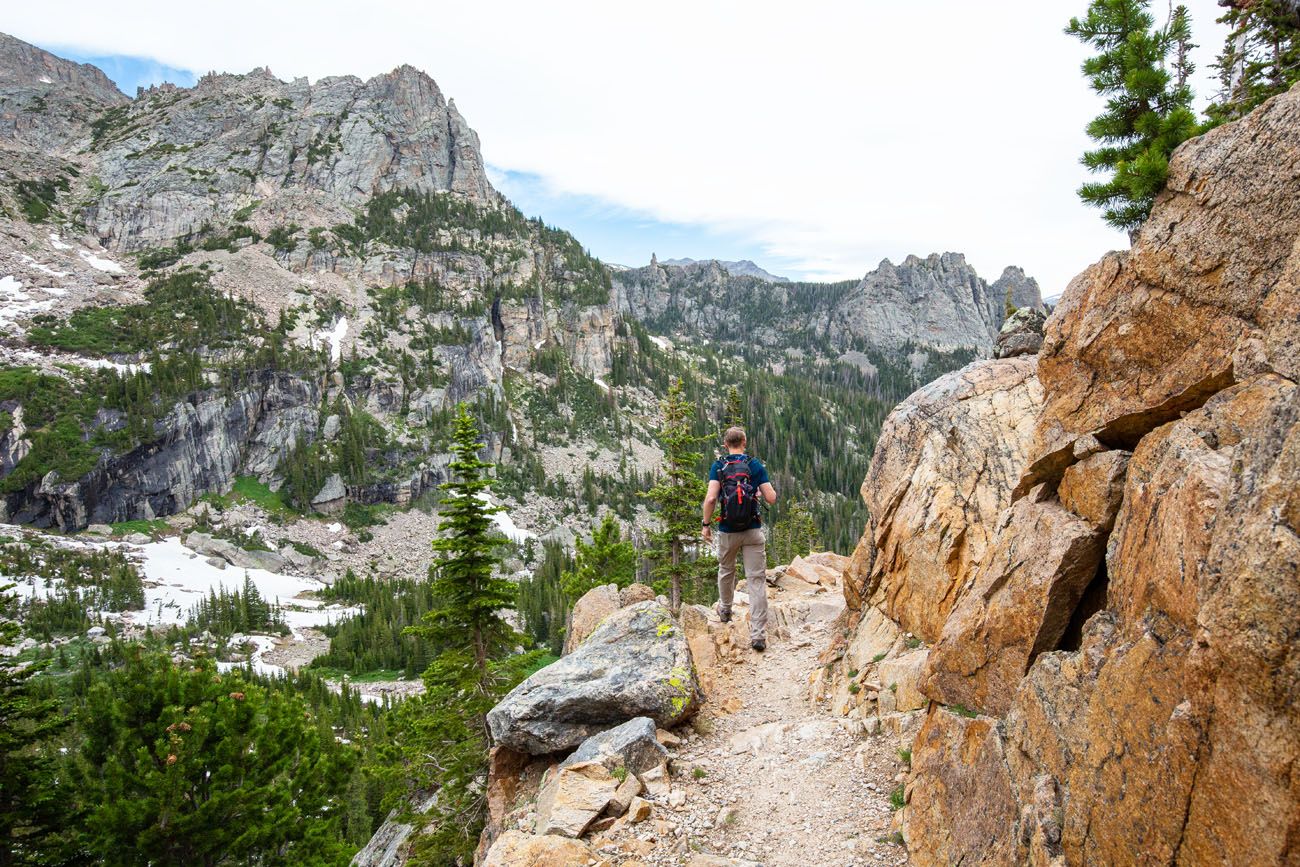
(831, 133)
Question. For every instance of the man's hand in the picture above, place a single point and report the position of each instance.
(707, 533)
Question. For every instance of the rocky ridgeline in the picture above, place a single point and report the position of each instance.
(1079, 590)
(937, 302)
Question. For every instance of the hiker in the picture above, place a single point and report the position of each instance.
(737, 480)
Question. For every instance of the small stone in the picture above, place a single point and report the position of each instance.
(623, 795)
(656, 781)
(638, 811)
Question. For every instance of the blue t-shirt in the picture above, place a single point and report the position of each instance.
(757, 474)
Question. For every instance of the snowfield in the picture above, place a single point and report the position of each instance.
(176, 579)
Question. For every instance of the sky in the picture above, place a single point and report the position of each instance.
(815, 138)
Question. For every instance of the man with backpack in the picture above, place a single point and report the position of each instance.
(736, 482)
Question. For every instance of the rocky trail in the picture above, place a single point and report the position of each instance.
(780, 781)
(771, 770)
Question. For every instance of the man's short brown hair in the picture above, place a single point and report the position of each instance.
(734, 437)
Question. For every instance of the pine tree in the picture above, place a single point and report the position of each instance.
(447, 737)
(1261, 57)
(32, 806)
(191, 766)
(677, 495)
(1148, 110)
(608, 558)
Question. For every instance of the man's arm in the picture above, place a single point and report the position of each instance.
(768, 492)
(711, 500)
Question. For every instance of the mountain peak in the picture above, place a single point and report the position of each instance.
(738, 268)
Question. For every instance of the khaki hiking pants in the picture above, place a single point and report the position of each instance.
(753, 550)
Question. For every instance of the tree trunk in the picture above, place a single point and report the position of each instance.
(675, 600)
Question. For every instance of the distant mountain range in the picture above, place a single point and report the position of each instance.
(743, 268)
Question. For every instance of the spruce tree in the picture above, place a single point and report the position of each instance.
(1261, 57)
(1148, 109)
(447, 739)
(676, 495)
(608, 558)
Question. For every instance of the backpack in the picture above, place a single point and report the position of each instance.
(739, 495)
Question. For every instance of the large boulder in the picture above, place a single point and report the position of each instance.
(211, 546)
(946, 461)
(636, 663)
(1022, 333)
(1207, 296)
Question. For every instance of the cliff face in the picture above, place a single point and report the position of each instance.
(355, 220)
(937, 302)
(1108, 587)
(176, 158)
(46, 102)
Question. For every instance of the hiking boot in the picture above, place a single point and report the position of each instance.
(724, 614)
(758, 644)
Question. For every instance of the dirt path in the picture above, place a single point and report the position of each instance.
(773, 778)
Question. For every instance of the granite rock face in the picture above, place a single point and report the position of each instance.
(1207, 296)
(636, 664)
(1120, 661)
(937, 302)
(199, 447)
(942, 473)
(316, 148)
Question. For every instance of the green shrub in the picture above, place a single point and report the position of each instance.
(896, 798)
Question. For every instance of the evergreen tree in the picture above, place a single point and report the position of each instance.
(1148, 110)
(446, 730)
(542, 603)
(734, 412)
(190, 766)
(608, 558)
(1261, 57)
(793, 535)
(677, 496)
(32, 805)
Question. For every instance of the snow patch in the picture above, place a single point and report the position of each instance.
(602, 384)
(661, 343)
(99, 263)
(15, 303)
(44, 80)
(44, 269)
(57, 244)
(507, 525)
(334, 337)
(176, 579)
